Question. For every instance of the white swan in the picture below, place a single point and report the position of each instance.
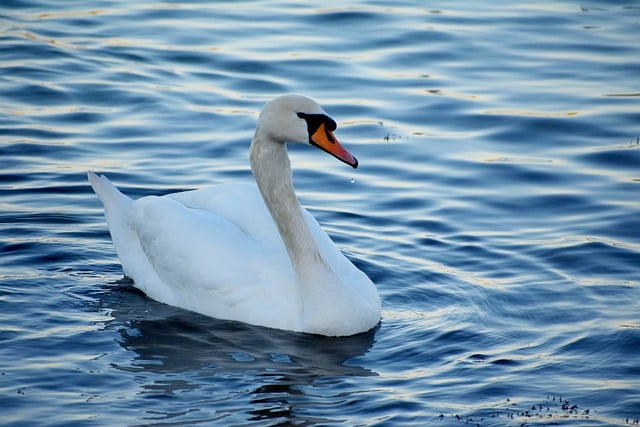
(247, 253)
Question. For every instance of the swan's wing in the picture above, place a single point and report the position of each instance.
(210, 264)
(239, 203)
(332, 255)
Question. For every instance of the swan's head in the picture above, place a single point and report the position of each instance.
(296, 118)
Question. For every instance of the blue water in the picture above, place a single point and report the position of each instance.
(496, 206)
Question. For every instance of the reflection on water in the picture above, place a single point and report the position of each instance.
(198, 351)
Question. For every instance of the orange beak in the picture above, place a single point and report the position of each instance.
(324, 139)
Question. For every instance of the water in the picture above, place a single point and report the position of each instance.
(496, 207)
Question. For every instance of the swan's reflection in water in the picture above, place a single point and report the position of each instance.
(236, 370)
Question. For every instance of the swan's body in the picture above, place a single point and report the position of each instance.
(245, 252)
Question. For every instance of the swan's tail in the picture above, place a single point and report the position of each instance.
(116, 210)
(109, 195)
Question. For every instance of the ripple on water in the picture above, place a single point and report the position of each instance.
(493, 207)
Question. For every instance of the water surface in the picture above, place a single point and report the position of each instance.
(496, 207)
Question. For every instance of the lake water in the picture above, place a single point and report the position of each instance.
(496, 207)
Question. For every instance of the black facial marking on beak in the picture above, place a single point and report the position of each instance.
(315, 120)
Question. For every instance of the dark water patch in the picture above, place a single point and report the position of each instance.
(566, 132)
(614, 158)
(43, 254)
(186, 57)
(103, 95)
(350, 17)
(530, 174)
(33, 73)
(590, 258)
(31, 93)
(48, 218)
(27, 46)
(31, 133)
(433, 226)
(548, 205)
(611, 344)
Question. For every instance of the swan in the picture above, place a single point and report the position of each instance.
(247, 252)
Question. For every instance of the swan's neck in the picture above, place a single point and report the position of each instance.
(272, 171)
